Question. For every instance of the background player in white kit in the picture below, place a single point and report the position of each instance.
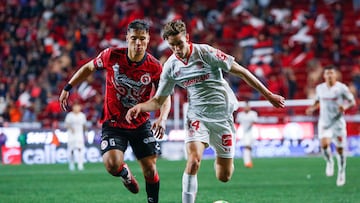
(75, 122)
(333, 98)
(246, 119)
(198, 68)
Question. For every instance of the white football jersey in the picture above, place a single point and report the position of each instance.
(77, 123)
(330, 98)
(210, 97)
(247, 119)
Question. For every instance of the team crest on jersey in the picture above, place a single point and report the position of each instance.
(99, 63)
(104, 144)
(145, 79)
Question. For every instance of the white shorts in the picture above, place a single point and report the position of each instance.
(219, 135)
(247, 138)
(337, 132)
(75, 144)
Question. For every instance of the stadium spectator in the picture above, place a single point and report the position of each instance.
(15, 112)
(292, 85)
(131, 75)
(261, 70)
(263, 50)
(355, 75)
(52, 113)
(338, 14)
(198, 69)
(3, 105)
(247, 118)
(75, 123)
(277, 83)
(333, 98)
(356, 5)
(351, 47)
(315, 70)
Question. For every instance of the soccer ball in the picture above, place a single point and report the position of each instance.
(221, 201)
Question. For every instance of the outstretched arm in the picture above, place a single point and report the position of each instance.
(276, 100)
(349, 97)
(159, 125)
(310, 110)
(153, 104)
(77, 78)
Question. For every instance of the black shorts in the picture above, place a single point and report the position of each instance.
(141, 140)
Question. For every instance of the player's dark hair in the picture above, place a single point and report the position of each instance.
(173, 28)
(330, 67)
(139, 24)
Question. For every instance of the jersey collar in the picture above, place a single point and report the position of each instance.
(188, 56)
(135, 63)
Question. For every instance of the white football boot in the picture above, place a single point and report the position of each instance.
(341, 178)
(329, 170)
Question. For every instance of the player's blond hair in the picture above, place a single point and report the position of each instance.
(173, 28)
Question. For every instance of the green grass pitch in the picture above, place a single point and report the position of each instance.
(288, 180)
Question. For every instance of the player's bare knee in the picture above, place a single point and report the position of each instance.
(339, 150)
(150, 172)
(112, 167)
(224, 174)
(193, 165)
(224, 177)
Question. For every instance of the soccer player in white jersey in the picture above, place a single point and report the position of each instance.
(75, 122)
(246, 119)
(198, 68)
(333, 98)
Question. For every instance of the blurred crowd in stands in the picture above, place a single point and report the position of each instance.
(284, 43)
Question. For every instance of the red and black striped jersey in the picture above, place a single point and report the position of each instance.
(127, 84)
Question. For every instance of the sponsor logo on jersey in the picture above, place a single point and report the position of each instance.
(123, 79)
(149, 139)
(226, 140)
(196, 80)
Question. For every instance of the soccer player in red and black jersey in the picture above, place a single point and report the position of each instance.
(131, 76)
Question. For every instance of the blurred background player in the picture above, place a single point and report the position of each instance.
(198, 68)
(246, 119)
(131, 76)
(75, 122)
(333, 98)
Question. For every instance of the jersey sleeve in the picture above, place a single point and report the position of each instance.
(217, 58)
(238, 117)
(68, 118)
(255, 117)
(100, 62)
(157, 76)
(347, 93)
(84, 120)
(166, 83)
(317, 95)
